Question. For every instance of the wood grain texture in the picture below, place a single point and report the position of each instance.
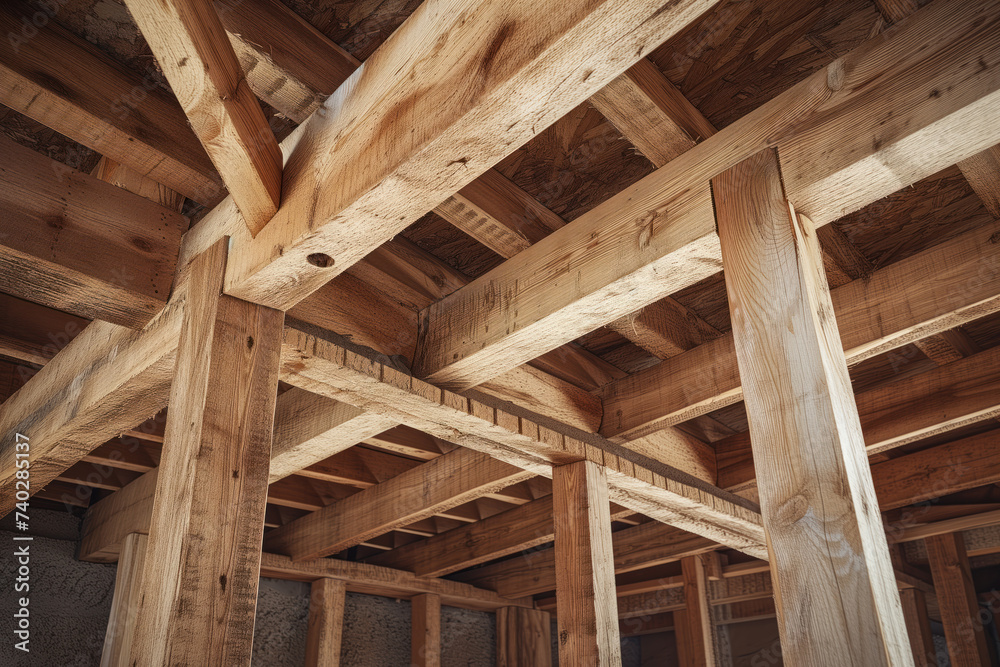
(695, 630)
(950, 284)
(428, 489)
(918, 627)
(817, 497)
(523, 638)
(194, 52)
(202, 564)
(956, 593)
(75, 243)
(622, 255)
(425, 631)
(424, 74)
(661, 492)
(585, 583)
(982, 170)
(117, 174)
(326, 622)
(125, 603)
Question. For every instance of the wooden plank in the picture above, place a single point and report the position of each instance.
(492, 112)
(326, 623)
(107, 380)
(918, 627)
(71, 86)
(75, 243)
(125, 603)
(695, 631)
(927, 293)
(622, 255)
(109, 521)
(523, 638)
(192, 48)
(585, 583)
(202, 564)
(956, 595)
(309, 428)
(982, 170)
(428, 489)
(119, 175)
(425, 643)
(661, 492)
(806, 434)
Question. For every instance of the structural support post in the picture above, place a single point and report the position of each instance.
(124, 604)
(836, 594)
(695, 631)
(963, 628)
(425, 646)
(326, 622)
(585, 573)
(918, 626)
(524, 637)
(199, 584)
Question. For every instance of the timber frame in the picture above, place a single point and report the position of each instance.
(631, 316)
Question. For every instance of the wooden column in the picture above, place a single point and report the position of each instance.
(425, 646)
(326, 622)
(956, 595)
(835, 590)
(524, 637)
(124, 604)
(695, 632)
(585, 574)
(199, 584)
(918, 626)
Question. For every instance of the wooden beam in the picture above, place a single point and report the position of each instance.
(192, 48)
(428, 489)
(326, 622)
(927, 293)
(71, 86)
(119, 175)
(309, 428)
(471, 333)
(660, 492)
(585, 583)
(125, 602)
(817, 495)
(75, 243)
(199, 584)
(695, 630)
(918, 627)
(322, 237)
(523, 638)
(425, 643)
(982, 170)
(956, 595)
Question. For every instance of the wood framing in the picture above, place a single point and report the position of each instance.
(470, 331)
(814, 481)
(695, 630)
(585, 584)
(208, 511)
(425, 642)
(963, 628)
(918, 627)
(326, 623)
(194, 53)
(125, 604)
(78, 244)
(523, 638)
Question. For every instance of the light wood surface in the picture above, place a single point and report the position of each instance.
(326, 622)
(125, 603)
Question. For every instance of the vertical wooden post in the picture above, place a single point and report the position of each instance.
(326, 622)
(524, 637)
(836, 594)
(918, 626)
(199, 583)
(425, 646)
(963, 629)
(585, 574)
(124, 604)
(695, 631)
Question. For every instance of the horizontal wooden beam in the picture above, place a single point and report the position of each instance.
(431, 488)
(71, 86)
(935, 290)
(75, 243)
(658, 236)
(661, 492)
